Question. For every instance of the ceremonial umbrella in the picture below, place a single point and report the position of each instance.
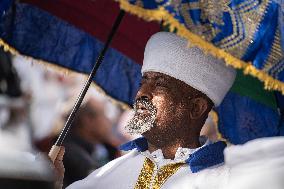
(246, 34)
(36, 33)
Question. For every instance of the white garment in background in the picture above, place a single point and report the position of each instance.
(46, 96)
(258, 164)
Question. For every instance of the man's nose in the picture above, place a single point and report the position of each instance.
(145, 92)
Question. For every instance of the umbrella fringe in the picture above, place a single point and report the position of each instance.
(55, 67)
(161, 14)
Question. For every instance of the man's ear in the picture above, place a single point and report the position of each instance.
(198, 107)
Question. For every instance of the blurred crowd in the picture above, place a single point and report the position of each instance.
(36, 100)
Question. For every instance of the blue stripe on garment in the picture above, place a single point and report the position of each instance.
(207, 156)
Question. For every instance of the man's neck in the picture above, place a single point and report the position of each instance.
(170, 149)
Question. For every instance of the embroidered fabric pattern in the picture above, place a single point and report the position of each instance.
(145, 175)
(245, 33)
(152, 178)
(164, 173)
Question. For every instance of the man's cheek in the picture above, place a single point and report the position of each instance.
(163, 115)
(162, 101)
(158, 101)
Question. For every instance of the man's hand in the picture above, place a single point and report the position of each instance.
(59, 168)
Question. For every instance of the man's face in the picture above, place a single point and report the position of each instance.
(168, 98)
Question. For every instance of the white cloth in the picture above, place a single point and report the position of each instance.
(258, 164)
(21, 164)
(122, 173)
(170, 54)
(182, 154)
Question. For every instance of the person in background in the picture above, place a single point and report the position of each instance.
(90, 143)
(19, 166)
(14, 106)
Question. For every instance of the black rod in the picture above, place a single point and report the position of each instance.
(72, 115)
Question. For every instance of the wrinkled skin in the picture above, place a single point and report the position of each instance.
(181, 112)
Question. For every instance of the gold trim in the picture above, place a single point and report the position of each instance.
(161, 14)
(66, 71)
(153, 178)
(165, 173)
(274, 58)
(146, 174)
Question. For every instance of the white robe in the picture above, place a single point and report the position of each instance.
(258, 164)
(122, 173)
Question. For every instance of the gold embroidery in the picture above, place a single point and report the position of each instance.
(145, 176)
(275, 56)
(193, 5)
(213, 10)
(247, 15)
(154, 179)
(238, 43)
(164, 173)
(160, 14)
(203, 30)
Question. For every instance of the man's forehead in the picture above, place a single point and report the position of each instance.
(171, 81)
(157, 75)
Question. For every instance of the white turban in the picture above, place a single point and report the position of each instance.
(170, 54)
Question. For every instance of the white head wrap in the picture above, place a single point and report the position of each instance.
(170, 54)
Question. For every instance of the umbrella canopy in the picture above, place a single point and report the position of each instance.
(96, 18)
(73, 38)
(36, 33)
(245, 33)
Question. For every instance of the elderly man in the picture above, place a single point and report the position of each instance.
(180, 85)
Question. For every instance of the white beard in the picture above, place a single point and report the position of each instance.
(138, 125)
